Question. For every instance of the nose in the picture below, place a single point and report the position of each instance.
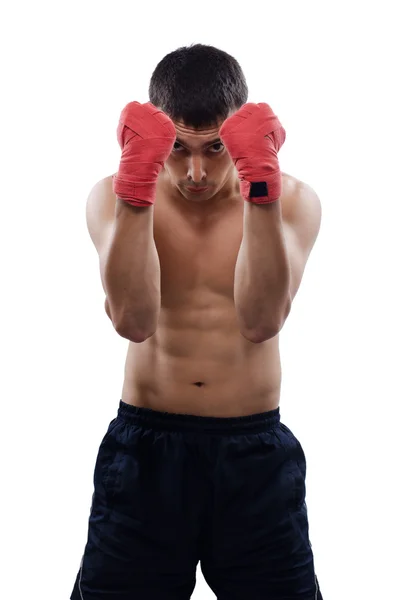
(196, 172)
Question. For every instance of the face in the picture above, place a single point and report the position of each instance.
(199, 167)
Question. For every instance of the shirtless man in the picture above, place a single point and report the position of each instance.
(202, 243)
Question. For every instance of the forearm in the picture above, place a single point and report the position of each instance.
(130, 273)
(262, 274)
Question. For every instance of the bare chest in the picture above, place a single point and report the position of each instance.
(197, 258)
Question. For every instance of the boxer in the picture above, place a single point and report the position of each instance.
(202, 244)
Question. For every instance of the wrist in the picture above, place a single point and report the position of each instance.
(266, 191)
(136, 193)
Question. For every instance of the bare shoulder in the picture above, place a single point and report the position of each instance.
(100, 210)
(102, 192)
(292, 187)
(301, 217)
(300, 204)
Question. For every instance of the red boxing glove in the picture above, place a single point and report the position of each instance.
(146, 137)
(254, 155)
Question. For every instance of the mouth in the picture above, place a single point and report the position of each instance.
(197, 190)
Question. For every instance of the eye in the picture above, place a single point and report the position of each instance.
(177, 147)
(216, 148)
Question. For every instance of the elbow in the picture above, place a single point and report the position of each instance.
(128, 329)
(259, 336)
(132, 334)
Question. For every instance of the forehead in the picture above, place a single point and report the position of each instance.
(197, 136)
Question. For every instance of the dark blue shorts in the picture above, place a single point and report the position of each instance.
(172, 490)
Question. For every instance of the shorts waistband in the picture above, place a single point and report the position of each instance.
(153, 419)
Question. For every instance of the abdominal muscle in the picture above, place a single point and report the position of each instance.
(198, 363)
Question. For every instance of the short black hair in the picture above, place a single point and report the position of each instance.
(198, 85)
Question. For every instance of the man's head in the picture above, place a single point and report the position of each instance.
(198, 87)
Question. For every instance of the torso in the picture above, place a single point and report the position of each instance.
(198, 362)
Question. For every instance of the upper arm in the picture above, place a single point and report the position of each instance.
(301, 225)
(100, 209)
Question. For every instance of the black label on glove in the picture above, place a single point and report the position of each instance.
(258, 189)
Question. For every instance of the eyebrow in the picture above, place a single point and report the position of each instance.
(210, 143)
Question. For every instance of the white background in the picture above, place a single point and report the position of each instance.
(68, 68)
